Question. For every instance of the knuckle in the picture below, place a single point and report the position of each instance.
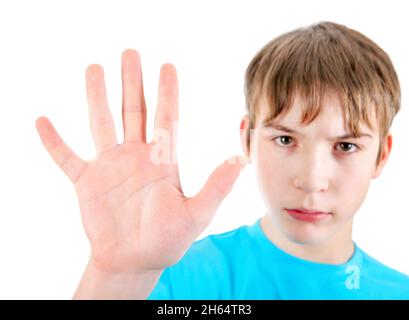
(133, 108)
(101, 122)
(66, 162)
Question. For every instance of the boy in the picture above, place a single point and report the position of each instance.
(320, 101)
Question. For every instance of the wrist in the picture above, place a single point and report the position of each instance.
(98, 284)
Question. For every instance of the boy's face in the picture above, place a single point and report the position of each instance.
(312, 168)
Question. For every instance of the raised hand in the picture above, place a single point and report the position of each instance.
(133, 209)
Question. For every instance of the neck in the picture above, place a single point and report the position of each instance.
(336, 250)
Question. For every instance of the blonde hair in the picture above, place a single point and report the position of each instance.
(316, 60)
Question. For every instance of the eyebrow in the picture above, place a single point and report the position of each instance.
(270, 124)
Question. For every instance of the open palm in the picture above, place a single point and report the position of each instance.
(133, 209)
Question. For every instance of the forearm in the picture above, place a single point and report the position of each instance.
(96, 284)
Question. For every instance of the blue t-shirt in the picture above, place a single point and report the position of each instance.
(245, 264)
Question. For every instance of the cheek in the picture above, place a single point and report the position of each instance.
(272, 174)
(356, 174)
(350, 188)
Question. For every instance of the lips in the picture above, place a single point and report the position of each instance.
(309, 211)
(307, 215)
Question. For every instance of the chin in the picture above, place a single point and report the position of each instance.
(305, 241)
(305, 234)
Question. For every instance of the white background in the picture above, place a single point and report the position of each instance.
(45, 48)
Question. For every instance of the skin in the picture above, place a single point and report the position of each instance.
(133, 209)
(312, 170)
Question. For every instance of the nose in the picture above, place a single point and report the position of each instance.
(312, 176)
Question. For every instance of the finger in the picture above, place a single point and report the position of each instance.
(133, 100)
(203, 206)
(167, 114)
(66, 159)
(102, 125)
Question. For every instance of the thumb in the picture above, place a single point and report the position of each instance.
(204, 205)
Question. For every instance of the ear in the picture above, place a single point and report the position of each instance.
(244, 128)
(387, 147)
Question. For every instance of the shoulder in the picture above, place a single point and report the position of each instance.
(217, 248)
(222, 241)
(205, 269)
(385, 277)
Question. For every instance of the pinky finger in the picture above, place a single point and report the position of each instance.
(66, 159)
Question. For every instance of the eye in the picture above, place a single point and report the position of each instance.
(283, 140)
(346, 147)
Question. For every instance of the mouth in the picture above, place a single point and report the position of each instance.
(307, 215)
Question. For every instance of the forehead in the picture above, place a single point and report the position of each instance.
(331, 106)
(331, 117)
